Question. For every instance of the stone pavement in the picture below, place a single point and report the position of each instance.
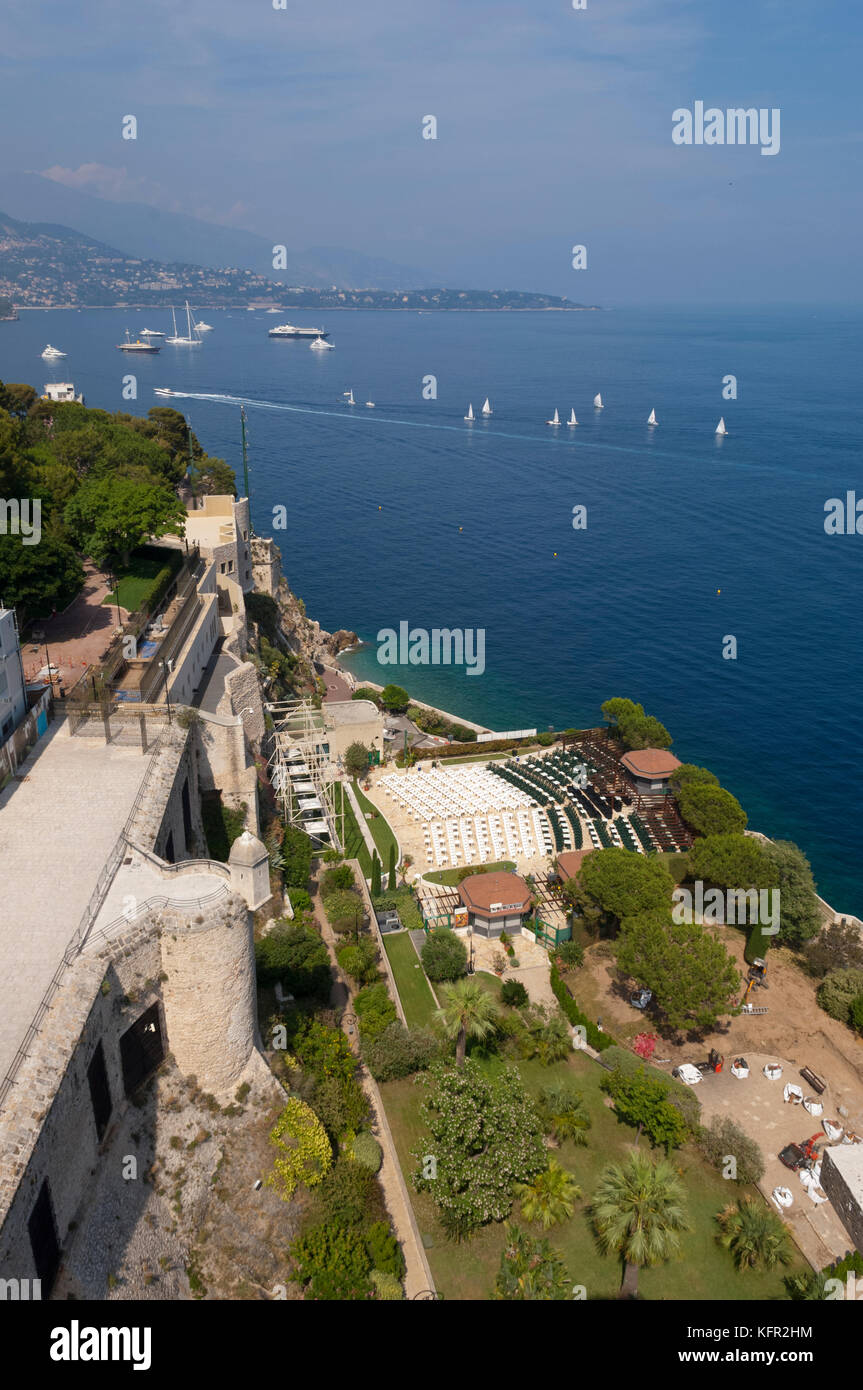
(533, 971)
(57, 830)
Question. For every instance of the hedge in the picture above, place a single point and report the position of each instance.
(598, 1041)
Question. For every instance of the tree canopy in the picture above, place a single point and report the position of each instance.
(711, 810)
(616, 883)
(112, 514)
(732, 861)
(692, 976)
(689, 773)
(800, 913)
(636, 729)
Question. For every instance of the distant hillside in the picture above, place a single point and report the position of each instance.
(146, 232)
(43, 265)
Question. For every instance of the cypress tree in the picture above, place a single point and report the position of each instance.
(376, 876)
(392, 869)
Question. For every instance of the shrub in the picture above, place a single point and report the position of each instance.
(359, 960)
(399, 1052)
(300, 899)
(641, 1100)
(305, 1154)
(855, 1013)
(838, 991)
(545, 739)
(722, 1139)
(324, 1051)
(367, 1151)
(443, 955)
(837, 948)
(387, 1287)
(757, 944)
(569, 955)
(514, 994)
(340, 877)
(679, 1094)
(375, 1011)
(297, 958)
(296, 858)
(341, 1104)
(350, 1195)
(344, 910)
(384, 1250)
(332, 1263)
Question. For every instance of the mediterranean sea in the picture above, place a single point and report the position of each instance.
(406, 513)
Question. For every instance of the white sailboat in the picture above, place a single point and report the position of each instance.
(572, 420)
(486, 410)
(469, 415)
(349, 397)
(651, 419)
(720, 428)
(191, 339)
(597, 402)
(555, 419)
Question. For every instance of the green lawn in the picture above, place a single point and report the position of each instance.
(380, 828)
(354, 844)
(413, 987)
(453, 877)
(135, 583)
(467, 1271)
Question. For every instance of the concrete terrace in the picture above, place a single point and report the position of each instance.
(57, 829)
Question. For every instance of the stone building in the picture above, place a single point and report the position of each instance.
(842, 1180)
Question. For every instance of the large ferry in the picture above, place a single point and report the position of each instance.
(288, 330)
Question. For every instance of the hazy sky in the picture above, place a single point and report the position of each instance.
(554, 128)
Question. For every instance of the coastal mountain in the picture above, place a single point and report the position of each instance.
(148, 233)
(47, 265)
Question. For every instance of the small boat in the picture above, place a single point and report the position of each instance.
(273, 311)
(486, 410)
(162, 391)
(651, 419)
(370, 404)
(137, 345)
(320, 345)
(203, 327)
(151, 333)
(720, 428)
(597, 402)
(555, 419)
(469, 415)
(349, 397)
(572, 420)
(52, 352)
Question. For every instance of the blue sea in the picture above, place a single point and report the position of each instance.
(405, 513)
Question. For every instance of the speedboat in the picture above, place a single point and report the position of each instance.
(52, 352)
(151, 333)
(320, 345)
(162, 391)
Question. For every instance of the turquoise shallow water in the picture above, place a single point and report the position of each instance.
(688, 539)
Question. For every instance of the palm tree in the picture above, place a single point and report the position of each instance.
(467, 1012)
(638, 1209)
(549, 1197)
(554, 1040)
(754, 1234)
(564, 1114)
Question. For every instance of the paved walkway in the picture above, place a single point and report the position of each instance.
(418, 1276)
(337, 687)
(533, 971)
(57, 829)
(361, 821)
(79, 636)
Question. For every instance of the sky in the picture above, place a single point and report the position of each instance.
(554, 129)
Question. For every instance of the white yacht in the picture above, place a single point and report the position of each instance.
(321, 345)
(572, 420)
(289, 330)
(469, 415)
(720, 428)
(651, 419)
(204, 327)
(151, 333)
(555, 419)
(486, 410)
(191, 339)
(137, 345)
(597, 402)
(52, 352)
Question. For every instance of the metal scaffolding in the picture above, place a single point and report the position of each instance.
(300, 729)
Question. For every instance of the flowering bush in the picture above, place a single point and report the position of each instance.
(305, 1154)
(645, 1045)
(484, 1135)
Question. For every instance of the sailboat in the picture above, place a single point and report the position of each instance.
(597, 402)
(486, 410)
(720, 428)
(555, 419)
(651, 419)
(469, 415)
(191, 340)
(349, 395)
(370, 404)
(572, 420)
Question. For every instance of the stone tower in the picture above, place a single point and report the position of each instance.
(209, 994)
(250, 870)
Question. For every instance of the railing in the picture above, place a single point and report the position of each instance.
(151, 905)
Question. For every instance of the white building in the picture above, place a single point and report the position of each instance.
(13, 695)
